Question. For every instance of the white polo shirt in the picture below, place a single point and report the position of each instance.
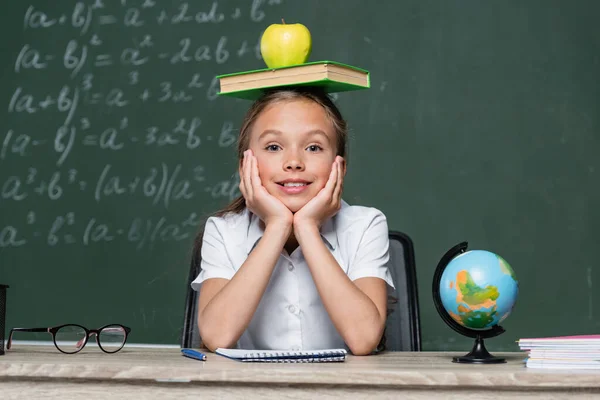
(291, 315)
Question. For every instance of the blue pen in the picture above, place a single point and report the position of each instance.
(196, 355)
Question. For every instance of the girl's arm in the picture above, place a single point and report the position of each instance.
(226, 307)
(357, 309)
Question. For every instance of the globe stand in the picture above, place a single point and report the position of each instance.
(478, 354)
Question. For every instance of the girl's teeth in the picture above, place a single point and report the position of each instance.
(294, 184)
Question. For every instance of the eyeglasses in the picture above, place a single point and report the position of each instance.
(71, 338)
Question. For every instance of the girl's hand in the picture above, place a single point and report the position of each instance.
(327, 202)
(258, 200)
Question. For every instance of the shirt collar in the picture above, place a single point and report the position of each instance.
(256, 230)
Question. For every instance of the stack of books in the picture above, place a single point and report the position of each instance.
(562, 352)
(329, 75)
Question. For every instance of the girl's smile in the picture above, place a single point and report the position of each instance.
(294, 186)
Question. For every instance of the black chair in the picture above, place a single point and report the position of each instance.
(403, 327)
(190, 338)
(402, 332)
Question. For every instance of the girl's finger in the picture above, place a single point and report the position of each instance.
(247, 177)
(337, 193)
(256, 182)
(331, 182)
(242, 186)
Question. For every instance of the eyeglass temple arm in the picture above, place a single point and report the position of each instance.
(8, 344)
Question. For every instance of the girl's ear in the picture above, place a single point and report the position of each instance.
(343, 166)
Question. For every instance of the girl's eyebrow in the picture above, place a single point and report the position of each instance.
(267, 132)
(275, 132)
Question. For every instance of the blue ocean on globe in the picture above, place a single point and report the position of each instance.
(478, 289)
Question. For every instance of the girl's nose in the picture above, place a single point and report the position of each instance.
(294, 164)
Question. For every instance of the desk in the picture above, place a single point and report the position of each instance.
(32, 372)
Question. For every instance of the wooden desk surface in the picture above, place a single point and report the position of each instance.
(164, 373)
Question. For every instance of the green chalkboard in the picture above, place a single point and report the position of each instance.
(481, 124)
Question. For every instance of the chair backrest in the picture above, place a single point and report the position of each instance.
(403, 328)
(190, 337)
(402, 332)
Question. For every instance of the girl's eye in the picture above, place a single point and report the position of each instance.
(314, 147)
(272, 147)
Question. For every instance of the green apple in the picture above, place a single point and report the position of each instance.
(284, 44)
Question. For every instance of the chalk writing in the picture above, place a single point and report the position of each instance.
(116, 112)
(68, 230)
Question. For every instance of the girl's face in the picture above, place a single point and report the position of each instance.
(295, 145)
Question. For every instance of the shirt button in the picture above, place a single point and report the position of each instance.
(292, 309)
(290, 267)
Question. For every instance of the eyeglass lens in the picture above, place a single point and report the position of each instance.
(112, 338)
(70, 338)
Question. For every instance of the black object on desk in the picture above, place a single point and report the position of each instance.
(2, 316)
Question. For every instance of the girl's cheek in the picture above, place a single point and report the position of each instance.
(320, 185)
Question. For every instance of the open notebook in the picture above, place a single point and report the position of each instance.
(284, 356)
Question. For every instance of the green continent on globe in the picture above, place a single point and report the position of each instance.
(477, 319)
(473, 294)
(506, 268)
(471, 299)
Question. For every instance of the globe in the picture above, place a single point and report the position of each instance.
(474, 291)
(478, 289)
